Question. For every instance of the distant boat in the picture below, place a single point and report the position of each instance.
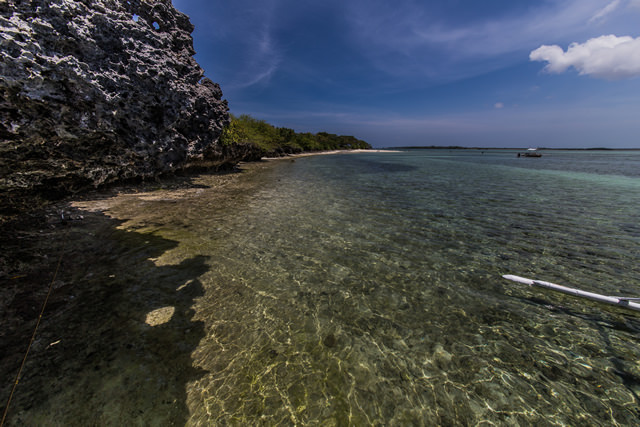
(531, 152)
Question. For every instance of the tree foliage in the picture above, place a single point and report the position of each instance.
(273, 140)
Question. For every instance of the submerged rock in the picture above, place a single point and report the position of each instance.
(98, 91)
(330, 340)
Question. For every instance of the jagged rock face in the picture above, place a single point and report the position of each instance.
(94, 91)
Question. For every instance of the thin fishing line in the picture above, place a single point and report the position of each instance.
(35, 330)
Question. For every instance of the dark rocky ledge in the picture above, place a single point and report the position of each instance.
(94, 92)
(98, 91)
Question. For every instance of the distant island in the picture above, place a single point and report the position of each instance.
(458, 147)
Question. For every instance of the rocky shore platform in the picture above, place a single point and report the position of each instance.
(93, 93)
(117, 333)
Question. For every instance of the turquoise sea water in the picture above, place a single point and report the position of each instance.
(363, 289)
(366, 289)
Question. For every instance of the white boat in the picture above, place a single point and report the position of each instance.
(531, 152)
(624, 302)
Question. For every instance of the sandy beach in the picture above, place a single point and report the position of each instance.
(322, 153)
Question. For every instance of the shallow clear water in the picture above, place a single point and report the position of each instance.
(366, 289)
(363, 289)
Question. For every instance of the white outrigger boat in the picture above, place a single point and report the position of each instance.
(624, 302)
(531, 152)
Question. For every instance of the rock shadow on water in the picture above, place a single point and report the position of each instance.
(114, 346)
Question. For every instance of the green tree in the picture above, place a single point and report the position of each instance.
(276, 141)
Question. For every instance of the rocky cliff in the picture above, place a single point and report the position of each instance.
(96, 91)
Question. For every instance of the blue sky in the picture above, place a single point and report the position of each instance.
(499, 73)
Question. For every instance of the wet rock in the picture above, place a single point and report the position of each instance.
(442, 356)
(93, 92)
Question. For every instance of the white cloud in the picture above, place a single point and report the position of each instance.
(605, 11)
(264, 60)
(257, 54)
(498, 105)
(608, 57)
(408, 37)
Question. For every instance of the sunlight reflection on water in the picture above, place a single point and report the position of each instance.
(366, 289)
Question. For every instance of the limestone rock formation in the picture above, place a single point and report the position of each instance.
(95, 91)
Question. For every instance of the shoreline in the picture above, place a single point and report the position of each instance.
(110, 297)
(323, 153)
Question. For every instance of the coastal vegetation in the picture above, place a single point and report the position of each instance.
(272, 140)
